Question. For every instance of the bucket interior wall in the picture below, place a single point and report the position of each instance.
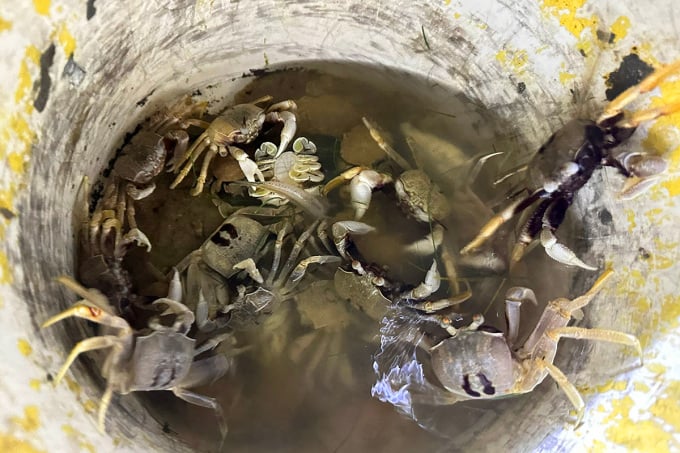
(79, 79)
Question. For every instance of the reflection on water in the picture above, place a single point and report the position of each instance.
(305, 382)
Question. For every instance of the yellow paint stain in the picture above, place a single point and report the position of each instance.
(90, 406)
(641, 387)
(634, 278)
(12, 444)
(653, 214)
(16, 162)
(671, 311)
(24, 83)
(620, 409)
(30, 421)
(620, 28)
(660, 262)
(66, 39)
(70, 431)
(619, 386)
(6, 277)
(664, 133)
(515, 60)
(456, 15)
(665, 246)
(33, 54)
(597, 447)
(566, 77)
(72, 385)
(42, 7)
(447, 2)
(566, 12)
(35, 384)
(656, 368)
(5, 25)
(645, 435)
(667, 408)
(24, 347)
(630, 216)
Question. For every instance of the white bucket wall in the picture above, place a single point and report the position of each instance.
(72, 77)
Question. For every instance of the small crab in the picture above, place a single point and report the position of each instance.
(209, 268)
(103, 245)
(566, 162)
(239, 124)
(478, 362)
(417, 194)
(299, 167)
(144, 158)
(103, 240)
(164, 358)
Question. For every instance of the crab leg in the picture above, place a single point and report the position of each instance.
(377, 135)
(297, 248)
(428, 286)
(499, 219)
(648, 114)
(301, 269)
(203, 175)
(89, 344)
(103, 407)
(628, 96)
(567, 387)
(203, 401)
(190, 156)
(278, 245)
(435, 306)
(514, 298)
(611, 336)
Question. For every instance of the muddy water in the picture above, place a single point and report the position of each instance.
(304, 384)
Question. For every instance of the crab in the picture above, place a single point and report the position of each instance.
(108, 233)
(280, 283)
(416, 193)
(103, 245)
(238, 124)
(159, 358)
(299, 167)
(479, 362)
(567, 161)
(208, 269)
(143, 159)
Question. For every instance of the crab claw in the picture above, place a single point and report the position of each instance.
(361, 189)
(250, 267)
(560, 252)
(644, 172)
(428, 286)
(342, 230)
(248, 166)
(288, 131)
(137, 236)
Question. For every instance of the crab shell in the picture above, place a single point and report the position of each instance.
(420, 197)
(476, 364)
(237, 239)
(169, 370)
